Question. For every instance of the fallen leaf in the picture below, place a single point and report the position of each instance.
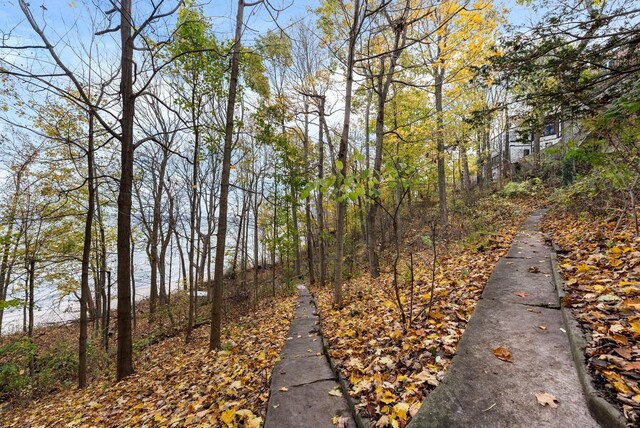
(546, 399)
(623, 352)
(341, 421)
(401, 410)
(284, 389)
(503, 354)
(228, 416)
(336, 391)
(522, 294)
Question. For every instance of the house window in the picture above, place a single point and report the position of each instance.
(526, 152)
(549, 129)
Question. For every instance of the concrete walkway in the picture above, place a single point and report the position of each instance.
(304, 390)
(518, 310)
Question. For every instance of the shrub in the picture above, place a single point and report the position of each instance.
(25, 374)
(515, 189)
(598, 192)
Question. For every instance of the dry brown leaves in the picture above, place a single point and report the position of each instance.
(179, 385)
(601, 267)
(390, 371)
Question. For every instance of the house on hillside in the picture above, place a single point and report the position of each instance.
(521, 141)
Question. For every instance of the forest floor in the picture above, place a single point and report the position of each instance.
(599, 258)
(178, 384)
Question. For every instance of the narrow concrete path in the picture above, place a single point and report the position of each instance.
(304, 390)
(518, 310)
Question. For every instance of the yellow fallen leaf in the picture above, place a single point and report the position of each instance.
(615, 251)
(228, 417)
(583, 267)
(388, 397)
(401, 410)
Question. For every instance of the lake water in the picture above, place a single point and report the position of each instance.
(51, 306)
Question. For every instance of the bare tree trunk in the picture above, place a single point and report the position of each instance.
(275, 233)
(480, 161)
(307, 201)
(342, 156)
(102, 273)
(506, 166)
(320, 197)
(85, 292)
(193, 224)
(32, 274)
(216, 307)
(383, 82)
(133, 287)
(372, 253)
(296, 233)
(486, 154)
(466, 179)
(124, 358)
(153, 239)
(442, 180)
(256, 210)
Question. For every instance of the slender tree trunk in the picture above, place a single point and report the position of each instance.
(193, 224)
(442, 179)
(183, 264)
(216, 307)
(320, 199)
(32, 274)
(480, 161)
(383, 81)
(153, 239)
(466, 180)
(367, 151)
(234, 263)
(85, 292)
(506, 167)
(108, 312)
(275, 234)
(372, 253)
(25, 304)
(256, 242)
(133, 287)
(102, 268)
(488, 175)
(296, 233)
(307, 201)
(343, 157)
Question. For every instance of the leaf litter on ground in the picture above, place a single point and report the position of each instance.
(600, 264)
(389, 371)
(178, 384)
